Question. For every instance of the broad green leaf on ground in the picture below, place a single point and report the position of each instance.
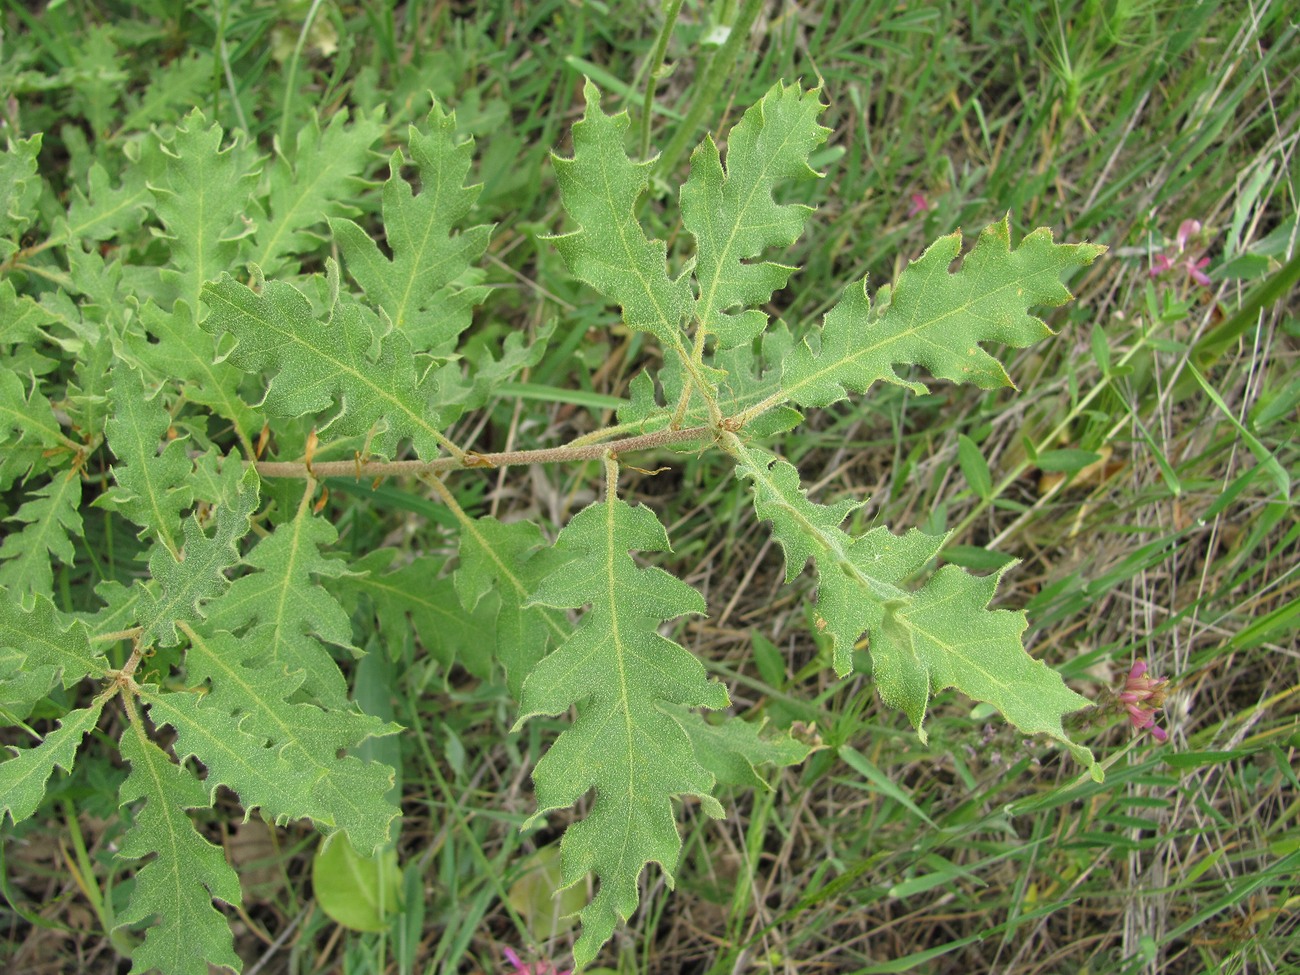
(360, 893)
(938, 319)
(308, 183)
(733, 749)
(375, 383)
(152, 486)
(733, 216)
(512, 560)
(20, 186)
(921, 640)
(418, 289)
(600, 187)
(48, 518)
(103, 211)
(618, 670)
(176, 887)
(23, 777)
(280, 754)
(203, 197)
(44, 637)
(197, 572)
(291, 610)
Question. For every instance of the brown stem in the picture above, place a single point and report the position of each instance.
(510, 458)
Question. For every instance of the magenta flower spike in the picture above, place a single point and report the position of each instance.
(536, 968)
(919, 205)
(1143, 696)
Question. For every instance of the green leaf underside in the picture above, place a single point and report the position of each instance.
(733, 749)
(186, 872)
(286, 611)
(23, 777)
(277, 755)
(42, 637)
(921, 640)
(196, 574)
(618, 669)
(414, 598)
(733, 217)
(512, 560)
(416, 289)
(50, 520)
(153, 487)
(600, 186)
(325, 168)
(316, 365)
(937, 319)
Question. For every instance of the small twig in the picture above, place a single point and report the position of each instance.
(509, 458)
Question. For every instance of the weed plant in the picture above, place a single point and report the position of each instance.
(1141, 475)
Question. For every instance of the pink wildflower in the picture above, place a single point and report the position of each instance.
(1194, 267)
(919, 205)
(536, 968)
(1143, 696)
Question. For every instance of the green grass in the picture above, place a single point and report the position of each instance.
(980, 851)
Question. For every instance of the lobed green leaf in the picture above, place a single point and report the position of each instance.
(733, 216)
(23, 777)
(184, 874)
(423, 289)
(50, 520)
(921, 640)
(373, 378)
(309, 183)
(283, 606)
(600, 186)
(937, 319)
(618, 669)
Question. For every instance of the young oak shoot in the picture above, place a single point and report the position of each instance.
(242, 605)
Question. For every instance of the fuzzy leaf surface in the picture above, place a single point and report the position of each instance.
(153, 486)
(618, 669)
(197, 572)
(341, 362)
(203, 197)
(938, 319)
(43, 637)
(50, 520)
(23, 777)
(104, 210)
(28, 428)
(310, 183)
(291, 611)
(186, 872)
(417, 289)
(733, 216)
(511, 560)
(282, 755)
(600, 187)
(921, 640)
